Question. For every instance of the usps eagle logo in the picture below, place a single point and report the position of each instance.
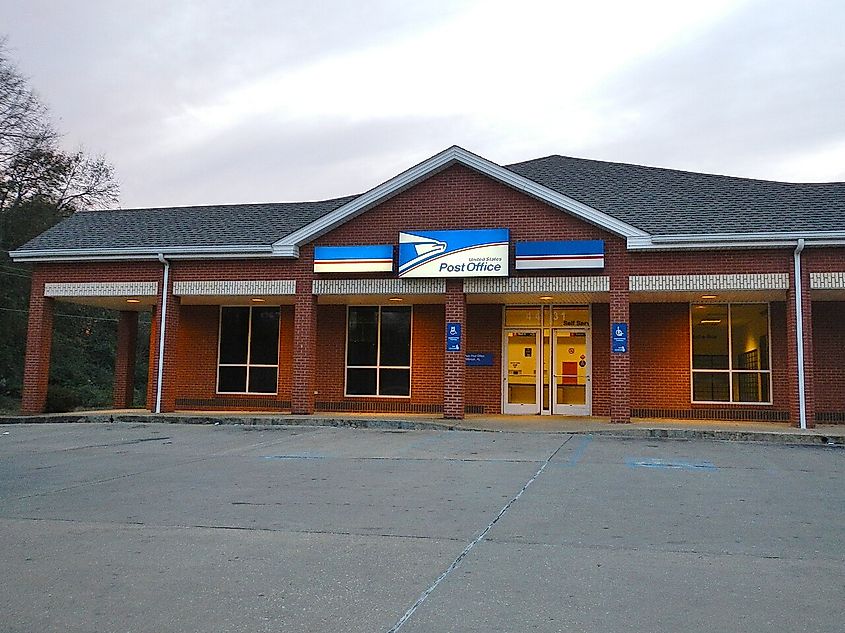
(462, 253)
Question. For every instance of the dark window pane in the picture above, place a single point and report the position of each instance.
(395, 382)
(396, 336)
(751, 387)
(234, 332)
(710, 337)
(750, 336)
(264, 344)
(361, 382)
(232, 379)
(710, 387)
(262, 379)
(363, 334)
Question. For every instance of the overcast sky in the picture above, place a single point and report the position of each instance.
(218, 101)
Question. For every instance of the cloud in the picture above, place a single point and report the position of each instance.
(758, 94)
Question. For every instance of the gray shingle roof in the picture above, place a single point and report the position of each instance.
(656, 200)
(670, 202)
(220, 225)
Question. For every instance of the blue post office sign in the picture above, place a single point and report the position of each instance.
(619, 338)
(460, 253)
(453, 337)
(479, 360)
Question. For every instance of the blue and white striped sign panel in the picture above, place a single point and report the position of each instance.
(353, 259)
(461, 253)
(572, 254)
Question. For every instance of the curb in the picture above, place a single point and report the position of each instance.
(266, 422)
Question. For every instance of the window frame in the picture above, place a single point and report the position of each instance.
(378, 366)
(248, 365)
(730, 371)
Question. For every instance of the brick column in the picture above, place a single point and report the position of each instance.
(124, 361)
(152, 360)
(792, 349)
(620, 363)
(39, 339)
(454, 365)
(171, 336)
(304, 349)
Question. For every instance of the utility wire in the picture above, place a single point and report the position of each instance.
(62, 314)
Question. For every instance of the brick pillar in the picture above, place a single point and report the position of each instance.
(124, 361)
(39, 339)
(152, 364)
(620, 363)
(454, 365)
(171, 336)
(304, 349)
(792, 349)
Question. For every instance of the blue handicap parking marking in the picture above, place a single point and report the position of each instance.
(670, 464)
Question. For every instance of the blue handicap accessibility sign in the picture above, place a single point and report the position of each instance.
(619, 338)
(453, 337)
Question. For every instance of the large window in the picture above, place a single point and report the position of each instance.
(730, 353)
(248, 359)
(378, 351)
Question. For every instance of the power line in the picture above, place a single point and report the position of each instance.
(62, 314)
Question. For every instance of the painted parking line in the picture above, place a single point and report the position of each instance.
(673, 464)
(576, 455)
(296, 456)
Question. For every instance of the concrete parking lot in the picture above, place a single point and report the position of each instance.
(149, 527)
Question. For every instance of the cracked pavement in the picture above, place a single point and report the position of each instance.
(157, 527)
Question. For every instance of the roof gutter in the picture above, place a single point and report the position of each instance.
(173, 252)
(689, 241)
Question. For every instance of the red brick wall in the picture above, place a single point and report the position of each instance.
(660, 347)
(829, 347)
(427, 327)
(484, 336)
(195, 376)
(694, 262)
(660, 355)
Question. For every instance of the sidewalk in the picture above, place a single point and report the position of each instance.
(829, 435)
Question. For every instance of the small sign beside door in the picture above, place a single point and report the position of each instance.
(619, 338)
(479, 360)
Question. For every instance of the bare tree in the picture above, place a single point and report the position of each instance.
(33, 168)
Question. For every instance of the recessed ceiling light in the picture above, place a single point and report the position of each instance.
(395, 299)
(546, 298)
(710, 321)
(709, 296)
(133, 301)
(258, 300)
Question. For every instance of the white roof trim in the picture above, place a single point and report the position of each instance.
(171, 252)
(736, 240)
(438, 162)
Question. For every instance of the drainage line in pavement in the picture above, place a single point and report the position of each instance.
(455, 563)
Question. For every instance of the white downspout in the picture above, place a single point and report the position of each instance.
(799, 330)
(161, 330)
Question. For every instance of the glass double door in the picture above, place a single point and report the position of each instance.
(547, 370)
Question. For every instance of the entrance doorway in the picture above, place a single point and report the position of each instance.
(547, 360)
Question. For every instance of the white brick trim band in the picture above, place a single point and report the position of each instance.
(515, 285)
(379, 286)
(827, 281)
(696, 283)
(273, 287)
(102, 289)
